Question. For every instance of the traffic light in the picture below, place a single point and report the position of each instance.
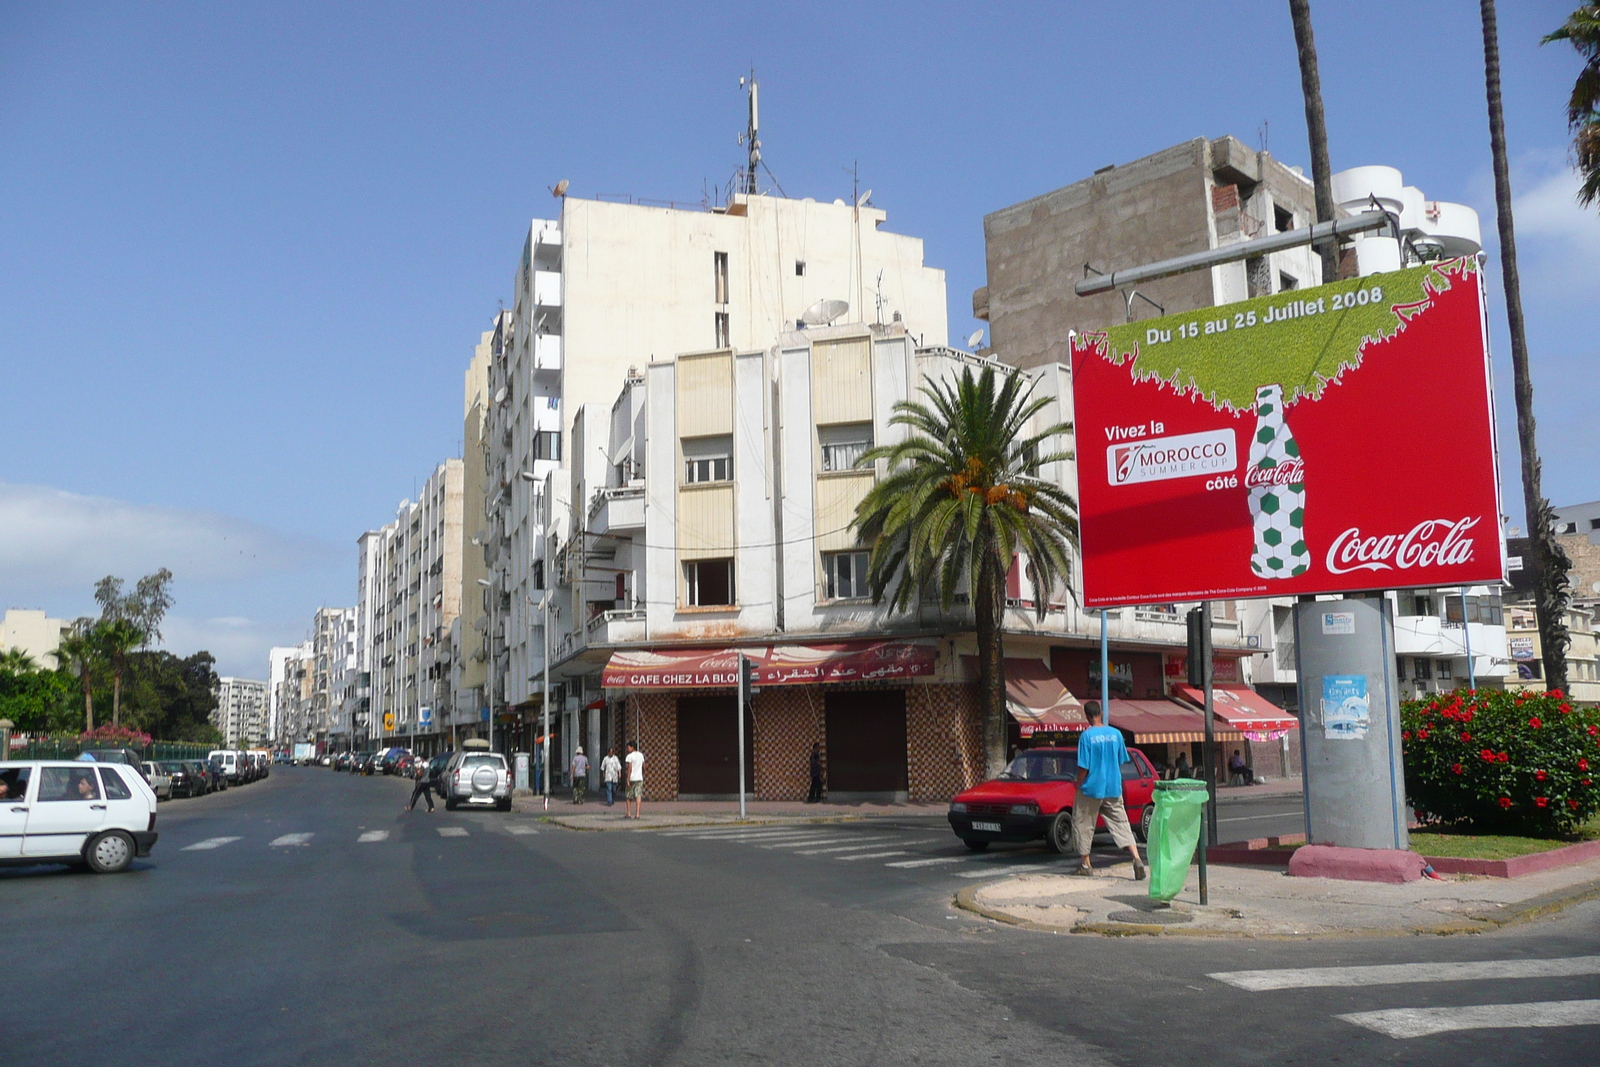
(1199, 647)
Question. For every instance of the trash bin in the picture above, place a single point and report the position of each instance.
(1174, 833)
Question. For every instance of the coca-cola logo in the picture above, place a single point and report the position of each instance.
(1430, 543)
(1289, 472)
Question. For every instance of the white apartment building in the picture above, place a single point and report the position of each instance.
(277, 670)
(409, 580)
(333, 650)
(470, 635)
(31, 631)
(292, 683)
(241, 712)
(608, 286)
(714, 500)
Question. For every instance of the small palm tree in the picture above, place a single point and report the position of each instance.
(16, 661)
(116, 639)
(79, 652)
(961, 499)
(1582, 31)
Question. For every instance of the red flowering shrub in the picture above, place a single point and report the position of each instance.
(109, 736)
(1522, 768)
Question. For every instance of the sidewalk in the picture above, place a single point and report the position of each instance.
(1246, 902)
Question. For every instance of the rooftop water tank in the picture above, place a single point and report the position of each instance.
(1353, 187)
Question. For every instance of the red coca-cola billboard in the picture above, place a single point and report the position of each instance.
(1320, 441)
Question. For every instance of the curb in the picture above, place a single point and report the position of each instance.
(1538, 907)
(690, 824)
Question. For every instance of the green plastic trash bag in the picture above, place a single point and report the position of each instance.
(1174, 833)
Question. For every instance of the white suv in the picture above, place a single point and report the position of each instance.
(476, 779)
(55, 811)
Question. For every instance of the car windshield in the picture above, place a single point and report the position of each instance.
(1050, 766)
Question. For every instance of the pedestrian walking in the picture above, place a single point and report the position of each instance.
(423, 789)
(815, 796)
(633, 803)
(611, 772)
(1101, 755)
(580, 774)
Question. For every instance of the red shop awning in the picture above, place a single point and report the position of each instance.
(1244, 710)
(1163, 722)
(810, 664)
(1038, 701)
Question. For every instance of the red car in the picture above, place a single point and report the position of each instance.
(1033, 798)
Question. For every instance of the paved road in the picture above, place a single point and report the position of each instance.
(306, 920)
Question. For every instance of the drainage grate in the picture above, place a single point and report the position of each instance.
(1150, 918)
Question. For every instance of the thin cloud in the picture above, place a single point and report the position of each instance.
(51, 539)
(239, 645)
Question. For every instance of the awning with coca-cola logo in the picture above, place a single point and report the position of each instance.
(717, 668)
(1243, 709)
(1039, 702)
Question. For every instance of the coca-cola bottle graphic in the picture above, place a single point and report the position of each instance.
(1275, 479)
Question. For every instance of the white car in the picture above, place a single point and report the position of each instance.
(160, 781)
(233, 768)
(55, 811)
(476, 779)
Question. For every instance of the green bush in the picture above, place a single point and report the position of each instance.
(1491, 759)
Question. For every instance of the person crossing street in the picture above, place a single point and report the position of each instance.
(611, 773)
(423, 789)
(1101, 755)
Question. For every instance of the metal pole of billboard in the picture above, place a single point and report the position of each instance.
(1209, 755)
(1466, 639)
(1105, 671)
(544, 743)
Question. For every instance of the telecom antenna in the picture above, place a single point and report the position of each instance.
(751, 136)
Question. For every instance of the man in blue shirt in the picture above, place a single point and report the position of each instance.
(1101, 755)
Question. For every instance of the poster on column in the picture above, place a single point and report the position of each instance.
(1321, 441)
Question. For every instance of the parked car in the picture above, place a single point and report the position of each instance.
(263, 761)
(185, 780)
(100, 814)
(228, 760)
(390, 757)
(477, 779)
(368, 764)
(126, 756)
(209, 772)
(1033, 798)
(159, 780)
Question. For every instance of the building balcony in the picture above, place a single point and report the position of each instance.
(619, 626)
(547, 288)
(619, 510)
(547, 352)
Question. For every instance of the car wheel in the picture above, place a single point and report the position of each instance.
(974, 844)
(1145, 820)
(504, 804)
(109, 852)
(1061, 838)
(449, 803)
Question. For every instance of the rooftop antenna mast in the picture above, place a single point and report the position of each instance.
(751, 134)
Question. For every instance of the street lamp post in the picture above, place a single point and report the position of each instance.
(493, 606)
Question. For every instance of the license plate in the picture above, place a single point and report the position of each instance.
(481, 800)
(991, 827)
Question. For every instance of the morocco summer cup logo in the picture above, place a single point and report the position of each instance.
(1178, 456)
(1430, 543)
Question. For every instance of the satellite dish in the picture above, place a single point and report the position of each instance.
(824, 312)
(500, 395)
(560, 189)
(864, 198)
(977, 335)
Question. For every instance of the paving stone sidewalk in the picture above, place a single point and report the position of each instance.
(1252, 902)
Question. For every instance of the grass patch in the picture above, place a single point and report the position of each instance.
(1463, 844)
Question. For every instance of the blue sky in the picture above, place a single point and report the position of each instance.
(245, 249)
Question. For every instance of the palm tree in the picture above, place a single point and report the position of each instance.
(116, 639)
(1582, 30)
(1316, 130)
(16, 661)
(960, 500)
(79, 652)
(1549, 564)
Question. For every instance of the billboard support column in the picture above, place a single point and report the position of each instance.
(1202, 673)
(1466, 640)
(1105, 671)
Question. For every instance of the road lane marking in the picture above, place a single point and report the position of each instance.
(292, 839)
(208, 843)
(371, 836)
(520, 830)
(931, 863)
(844, 848)
(452, 831)
(1420, 1022)
(1272, 815)
(1398, 973)
(874, 855)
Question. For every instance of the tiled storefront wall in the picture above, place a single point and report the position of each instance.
(1266, 757)
(788, 720)
(651, 721)
(944, 740)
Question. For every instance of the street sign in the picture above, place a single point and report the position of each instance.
(388, 721)
(1317, 441)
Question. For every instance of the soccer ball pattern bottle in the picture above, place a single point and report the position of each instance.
(1275, 479)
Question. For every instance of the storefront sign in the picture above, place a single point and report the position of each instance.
(1277, 446)
(1223, 668)
(1521, 647)
(851, 661)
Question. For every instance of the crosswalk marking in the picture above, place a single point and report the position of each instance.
(371, 836)
(520, 830)
(728, 831)
(845, 848)
(208, 843)
(995, 871)
(292, 839)
(1420, 1022)
(802, 842)
(1397, 973)
(452, 831)
(874, 855)
(755, 835)
(929, 863)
